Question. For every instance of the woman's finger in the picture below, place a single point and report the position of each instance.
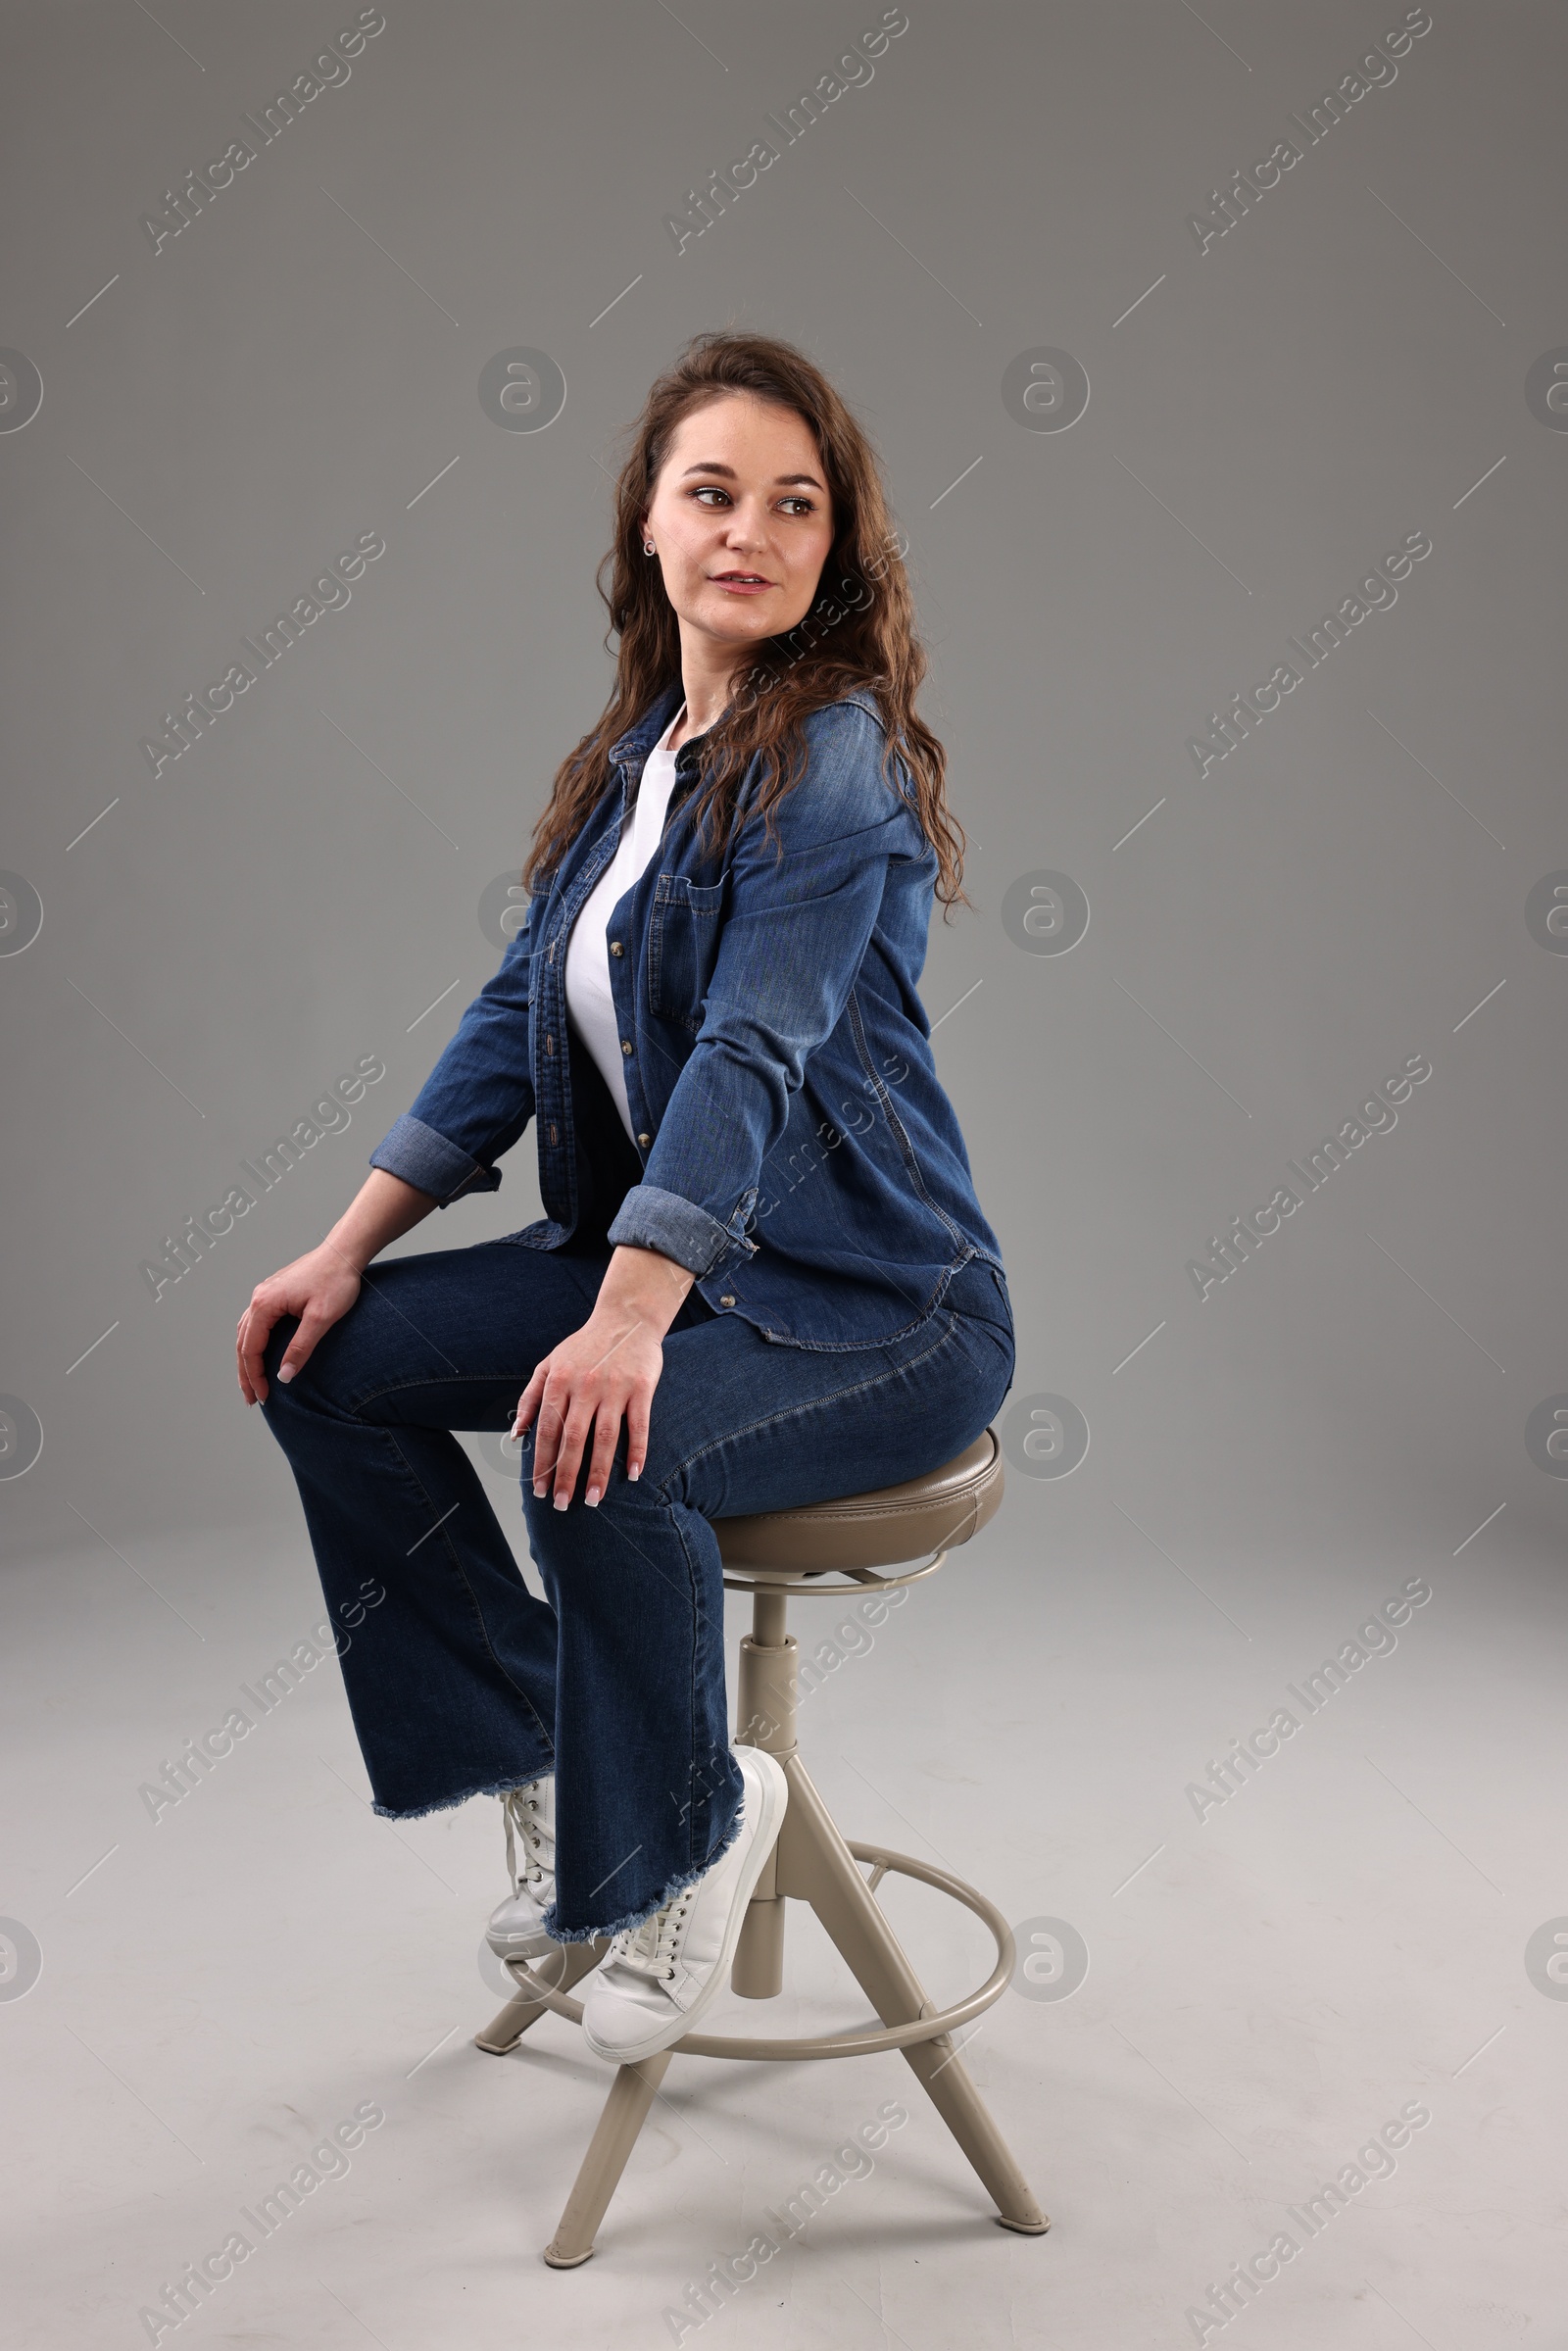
(606, 1431)
(255, 1330)
(570, 1457)
(548, 1427)
(528, 1401)
(301, 1348)
(637, 1419)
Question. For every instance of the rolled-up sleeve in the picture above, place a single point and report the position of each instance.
(478, 1098)
(650, 1217)
(793, 940)
(422, 1157)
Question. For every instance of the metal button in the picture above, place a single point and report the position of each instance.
(727, 1299)
(645, 1141)
(552, 1130)
(615, 947)
(626, 1044)
(549, 1045)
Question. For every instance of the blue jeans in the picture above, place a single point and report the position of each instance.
(462, 1683)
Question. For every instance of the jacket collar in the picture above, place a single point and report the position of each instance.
(865, 699)
(632, 747)
(638, 740)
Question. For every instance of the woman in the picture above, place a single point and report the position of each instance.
(762, 1277)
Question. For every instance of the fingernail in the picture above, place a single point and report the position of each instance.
(634, 1473)
(561, 1499)
(592, 1498)
(538, 1488)
(285, 1375)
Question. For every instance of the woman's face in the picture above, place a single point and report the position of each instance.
(742, 522)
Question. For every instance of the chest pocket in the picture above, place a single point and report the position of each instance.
(683, 946)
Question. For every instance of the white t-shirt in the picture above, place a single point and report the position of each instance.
(588, 996)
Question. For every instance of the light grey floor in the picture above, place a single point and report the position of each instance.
(1267, 1987)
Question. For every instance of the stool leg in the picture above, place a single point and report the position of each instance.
(567, 1963)
(626, 2109)
(816, 1864)
(768, 1685)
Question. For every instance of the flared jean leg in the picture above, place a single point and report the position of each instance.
(450, 1677)
(643, 1769)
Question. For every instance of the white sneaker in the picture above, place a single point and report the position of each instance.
(516, 1927)
(656, 1979)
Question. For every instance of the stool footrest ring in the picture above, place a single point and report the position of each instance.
(864, 2043)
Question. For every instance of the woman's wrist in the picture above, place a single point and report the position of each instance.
(384, 1209)
(645, 1285)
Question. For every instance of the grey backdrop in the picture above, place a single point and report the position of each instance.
(1330, 374)
(1277, 397)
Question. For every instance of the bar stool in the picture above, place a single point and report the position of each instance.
(823, 1548)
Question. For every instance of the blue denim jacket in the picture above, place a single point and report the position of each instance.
(794, 1150)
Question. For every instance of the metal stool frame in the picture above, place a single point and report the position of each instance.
(811, 1862)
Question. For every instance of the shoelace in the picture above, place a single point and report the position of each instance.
(651, 1948)
(520, 1808)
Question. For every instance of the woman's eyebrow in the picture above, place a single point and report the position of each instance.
(780, 480)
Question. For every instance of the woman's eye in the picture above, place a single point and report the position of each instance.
(796, 500)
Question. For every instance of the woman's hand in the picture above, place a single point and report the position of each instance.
(320, 1287)
(608, 1369)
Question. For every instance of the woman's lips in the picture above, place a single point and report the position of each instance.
(740, 586)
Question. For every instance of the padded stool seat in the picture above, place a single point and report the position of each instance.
(881, 1529)
(772, 1553)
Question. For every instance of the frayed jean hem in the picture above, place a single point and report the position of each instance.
(634, 1918)
(486, 1788)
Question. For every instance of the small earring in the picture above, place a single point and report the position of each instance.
(648, 546)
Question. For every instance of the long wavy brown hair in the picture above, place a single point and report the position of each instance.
(860, 632)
